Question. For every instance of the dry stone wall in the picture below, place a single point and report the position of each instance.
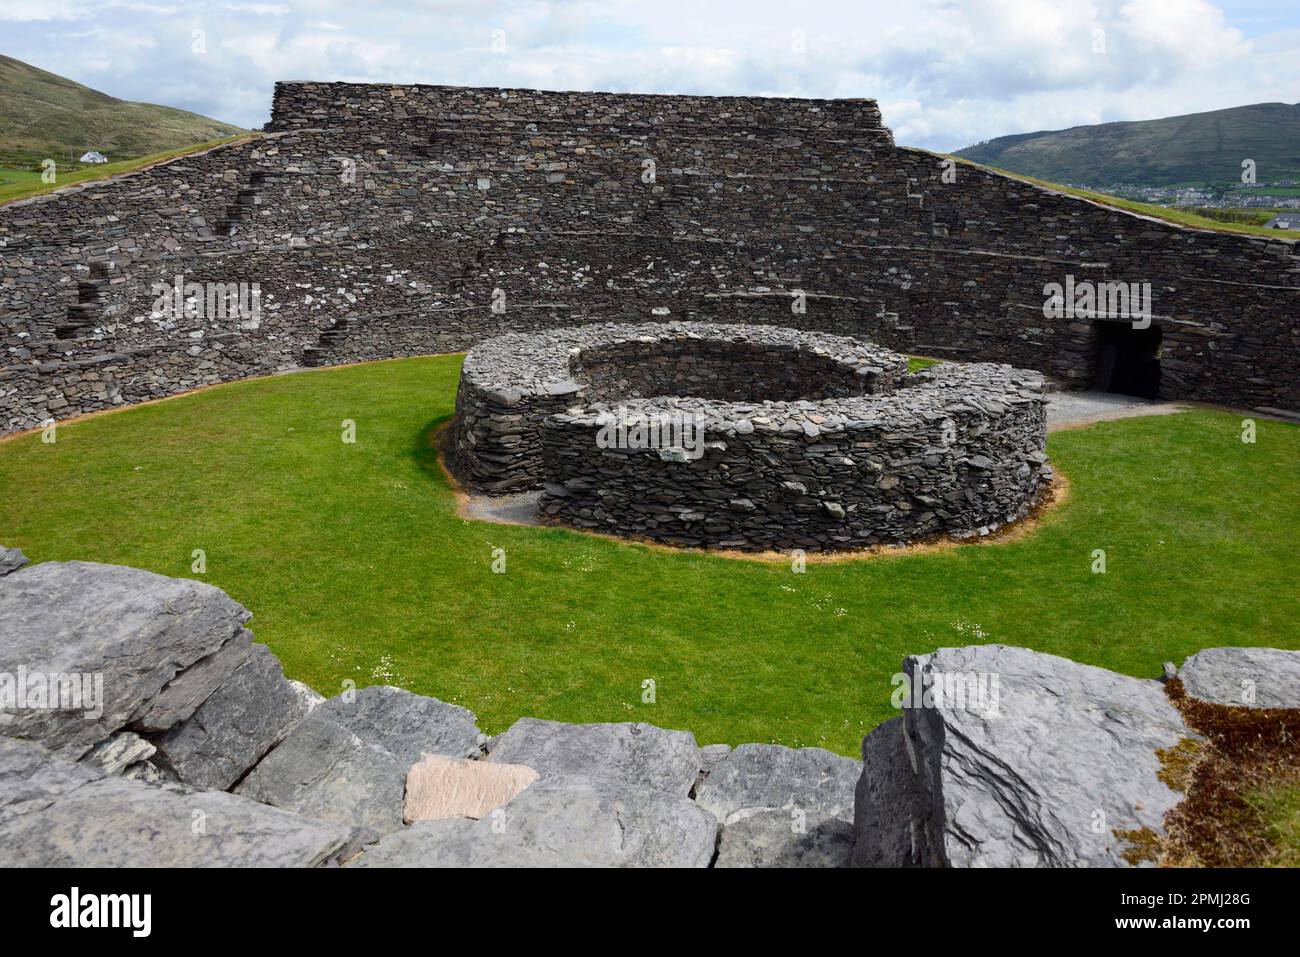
(197, 720)
(511, 384)
(380, 221)
(750, 437)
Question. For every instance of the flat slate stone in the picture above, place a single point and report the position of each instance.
(1247, 677)
(114, 755)
(310, 698)
(453, 843)
(563, 821)
(781, 807)
(324, 771)
(57, 814)
(634, 754)
(406, 725)
(753, 776)
(775, 838)
(710, 756)
(253, 709)
(187, 691)
(439, 787)
(136, 629)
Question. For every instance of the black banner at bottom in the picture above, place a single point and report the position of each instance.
(319, 906)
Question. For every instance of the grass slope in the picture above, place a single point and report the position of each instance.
(1172, 214)
(356, 565)
(44, 114)
(21, 183)
(1199, 148)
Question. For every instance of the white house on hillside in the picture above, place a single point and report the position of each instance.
(94, 157)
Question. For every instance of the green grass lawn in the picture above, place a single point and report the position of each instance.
(20, 183)
(356, 566)
(1279, 809)
(1172, 214)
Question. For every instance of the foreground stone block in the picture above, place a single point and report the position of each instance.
(130, 630)
(58, 814)
(885, 801)
(1051, 775)
(454, 843)
(406, 725)
(439, 787)
(639, 755)
(11, 559)
(562, 822)
(348, 760)
(782, 807)
(776, 838)
(324, 771)
(754, 776)
(238, 723)
(31, 779)
(1246, 677)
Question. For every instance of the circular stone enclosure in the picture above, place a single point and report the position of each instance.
(748, 437)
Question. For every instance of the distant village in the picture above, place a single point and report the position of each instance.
(1212, 197)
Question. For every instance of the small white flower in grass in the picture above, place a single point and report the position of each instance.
(970, 629)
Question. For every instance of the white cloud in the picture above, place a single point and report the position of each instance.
(946, 73)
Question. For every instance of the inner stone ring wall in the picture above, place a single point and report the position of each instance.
(748, 437)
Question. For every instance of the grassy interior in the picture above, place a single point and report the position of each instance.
(356, 565)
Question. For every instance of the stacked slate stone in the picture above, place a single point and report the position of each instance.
(384, 221)
(806, 440)
(194, 724)
(511, 384)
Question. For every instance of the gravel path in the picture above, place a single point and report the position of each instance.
(1067, 410)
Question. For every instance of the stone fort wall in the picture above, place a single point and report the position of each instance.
(383, 221)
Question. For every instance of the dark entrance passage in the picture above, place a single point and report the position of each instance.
(1128, 359)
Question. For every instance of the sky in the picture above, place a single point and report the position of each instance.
(947, 73)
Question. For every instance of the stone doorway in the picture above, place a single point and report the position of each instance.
(1128, 359)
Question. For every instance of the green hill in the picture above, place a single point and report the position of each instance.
(42, 114)
(1197, 149)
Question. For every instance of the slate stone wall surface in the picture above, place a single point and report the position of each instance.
(382, 221)
(749, 437)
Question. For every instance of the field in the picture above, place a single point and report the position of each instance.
(1171, 214)
(356, 565)
(20, 175)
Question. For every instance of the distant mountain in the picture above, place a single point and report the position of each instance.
(44, 113)
(1197, 149)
